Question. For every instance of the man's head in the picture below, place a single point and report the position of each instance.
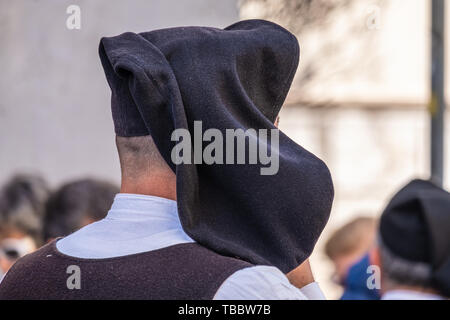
(142, 166)
(75, 205)
(414, 240)
(144, 170)
(349, 243)
(164, 80)
(401, 274)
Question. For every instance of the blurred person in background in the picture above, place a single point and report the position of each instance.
(22, 203)
(75, 205)
(359, 275)
(14, 244)
(348, 244)
(414, 244)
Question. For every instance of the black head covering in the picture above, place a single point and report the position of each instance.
(416, 227)
(233, 78)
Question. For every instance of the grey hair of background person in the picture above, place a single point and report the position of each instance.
(22, 203)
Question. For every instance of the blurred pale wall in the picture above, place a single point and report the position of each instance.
(380, 58)
(54, 100)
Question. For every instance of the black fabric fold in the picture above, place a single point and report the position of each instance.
(416, 226)
(233, 78)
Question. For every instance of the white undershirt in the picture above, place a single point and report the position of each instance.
(410, 295)
(139, 223)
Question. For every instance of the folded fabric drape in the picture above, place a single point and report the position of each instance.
(232, 78)
(415, 226)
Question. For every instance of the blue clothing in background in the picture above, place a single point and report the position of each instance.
(356, 282)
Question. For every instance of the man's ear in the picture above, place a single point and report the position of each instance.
(301, 276)
(277, 121)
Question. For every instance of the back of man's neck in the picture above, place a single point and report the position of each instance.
(155, 186)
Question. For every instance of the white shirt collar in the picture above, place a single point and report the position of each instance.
(138, 207)
(135, 224)
(410, 295)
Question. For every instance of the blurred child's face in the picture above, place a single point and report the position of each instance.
(342, 265)
(12, 247)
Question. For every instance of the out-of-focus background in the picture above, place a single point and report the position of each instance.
(360, 99)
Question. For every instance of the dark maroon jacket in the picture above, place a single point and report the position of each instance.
(180, 272)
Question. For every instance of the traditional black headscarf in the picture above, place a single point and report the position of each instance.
(415, 226)
(233, 78)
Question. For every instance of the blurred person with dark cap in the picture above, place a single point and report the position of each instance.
(414, 244)
(22, 204)
(75, 205)
(194, 230)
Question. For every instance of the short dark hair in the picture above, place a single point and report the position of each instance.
(68, 207)
(402, 272)
(22, 204)
(138, 155)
